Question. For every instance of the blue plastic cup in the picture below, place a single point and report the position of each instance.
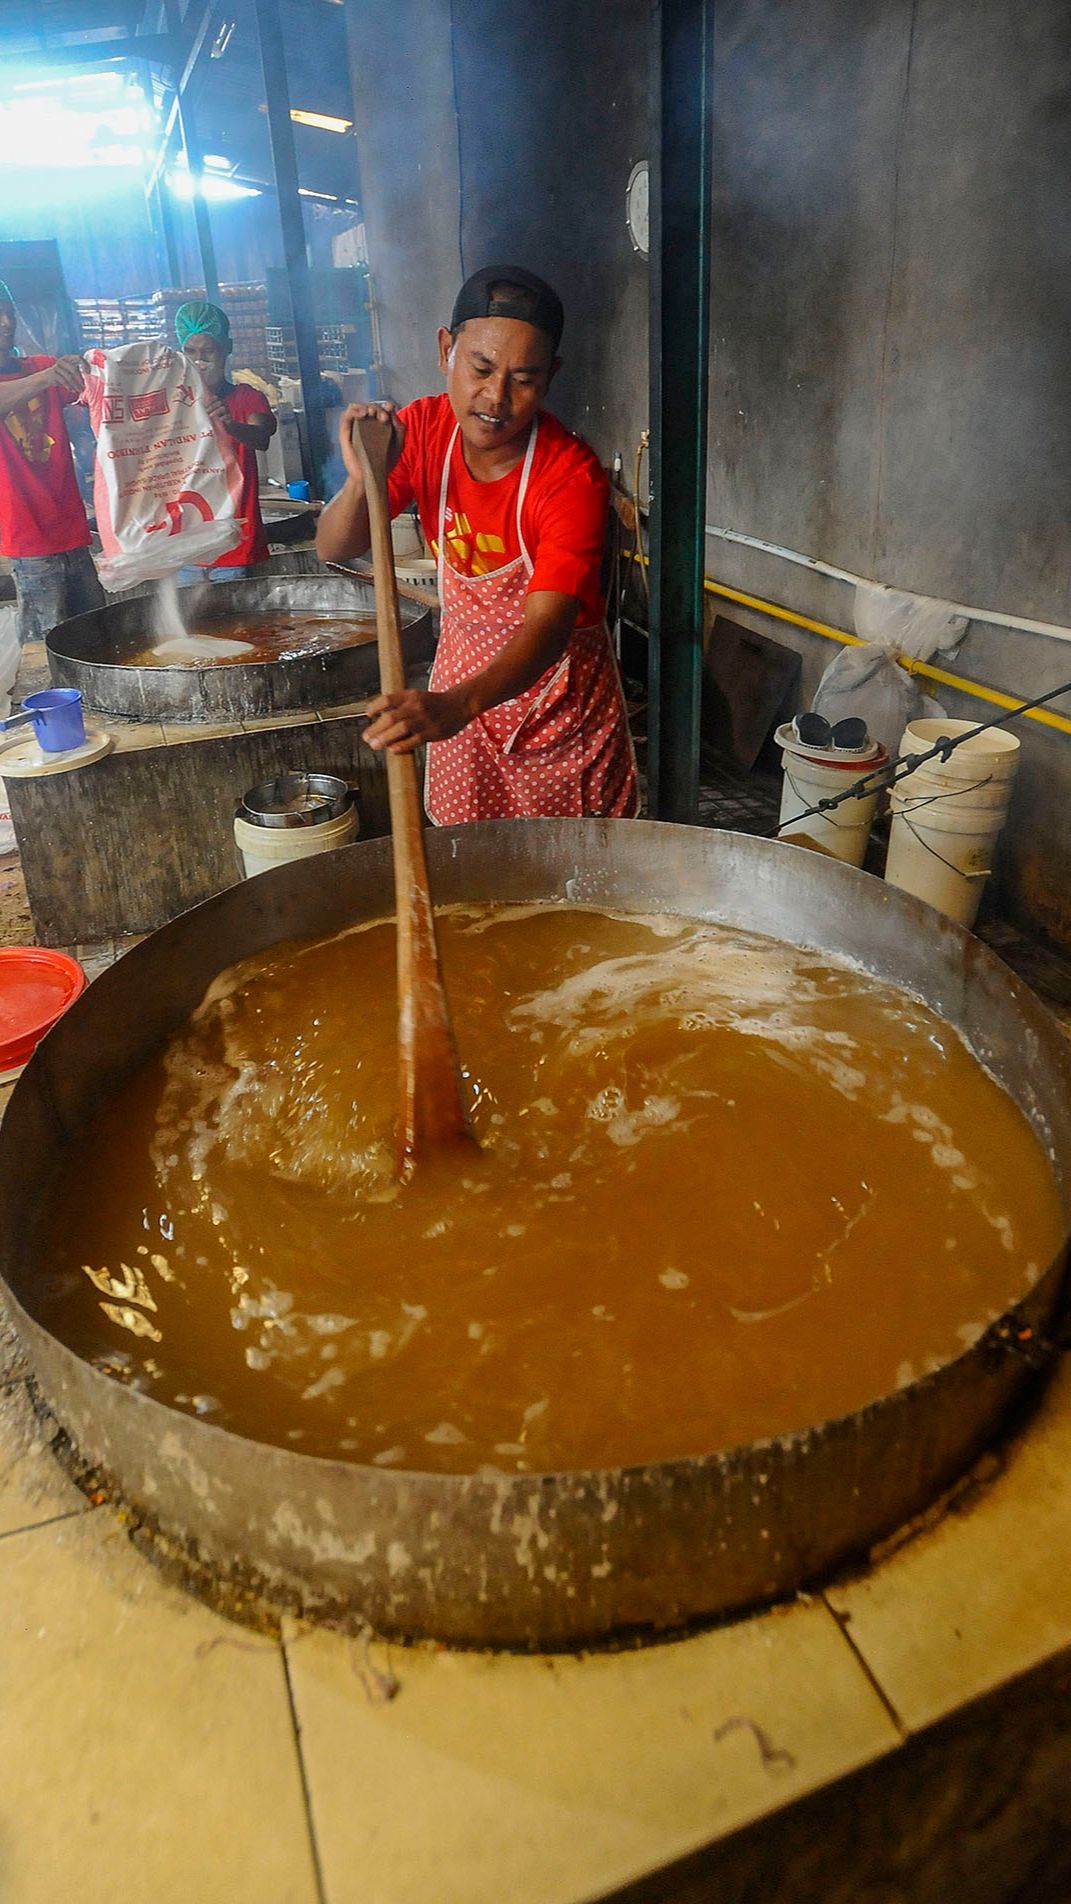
(57, 719)
(298, 492)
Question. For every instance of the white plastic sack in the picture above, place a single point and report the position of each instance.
(868, 681)
(167, 483)
(918, 626)
(9, 654)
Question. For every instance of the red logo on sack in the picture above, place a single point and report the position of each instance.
(185, 394)
(174, 509)
(153, 403)
(114, 410)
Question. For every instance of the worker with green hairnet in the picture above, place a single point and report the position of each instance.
(43, 527)
(204, 334)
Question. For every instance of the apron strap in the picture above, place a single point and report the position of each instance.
(522, 491)
(444, 485)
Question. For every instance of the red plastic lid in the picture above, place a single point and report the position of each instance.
(36, 987)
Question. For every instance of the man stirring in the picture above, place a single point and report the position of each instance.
(43, 526)
(524, 708)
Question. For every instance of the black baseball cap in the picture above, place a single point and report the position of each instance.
(538, 304)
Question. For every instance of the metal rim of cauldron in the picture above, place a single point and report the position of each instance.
(550, 1560)
(253, 690)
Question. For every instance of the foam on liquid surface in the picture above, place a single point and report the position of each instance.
(728, 1187)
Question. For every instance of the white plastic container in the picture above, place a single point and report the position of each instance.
(419, 571)
(261, 848)
(405, 535)
(812, 774)
(948, 814)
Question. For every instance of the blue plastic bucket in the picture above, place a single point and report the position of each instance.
(56, 714)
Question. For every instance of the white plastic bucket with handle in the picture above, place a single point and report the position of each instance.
(263, 847)
(948, 814)
(809, 778)
(294, 816)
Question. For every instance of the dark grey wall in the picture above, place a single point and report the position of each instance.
(892, 289)
(407, 145)
(509, 140)
(891, 377)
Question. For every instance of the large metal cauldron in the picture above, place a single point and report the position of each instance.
(92, 652)
(541, 1559)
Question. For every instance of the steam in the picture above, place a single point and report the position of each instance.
(168, 623)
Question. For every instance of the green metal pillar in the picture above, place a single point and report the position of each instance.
(681, 181)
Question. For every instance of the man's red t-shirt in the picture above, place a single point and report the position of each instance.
(244, 403)
(563, 515)
(41, 510)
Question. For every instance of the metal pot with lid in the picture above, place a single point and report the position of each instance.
(298, 799)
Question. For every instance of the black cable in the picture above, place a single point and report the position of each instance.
(905, 764)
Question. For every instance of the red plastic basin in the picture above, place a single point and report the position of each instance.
(36, 987)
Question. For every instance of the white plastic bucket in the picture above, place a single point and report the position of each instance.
(844, 832)
(262, 847)
(405, 536)
(418, 571)
(989, 757)
(948, 814)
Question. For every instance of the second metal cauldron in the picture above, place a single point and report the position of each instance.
(541, 1559)
(91, 652)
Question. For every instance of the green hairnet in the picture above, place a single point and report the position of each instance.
(199, 318)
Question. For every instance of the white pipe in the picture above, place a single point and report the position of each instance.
(1053, 629)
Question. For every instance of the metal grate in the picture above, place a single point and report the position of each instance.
(740, 802)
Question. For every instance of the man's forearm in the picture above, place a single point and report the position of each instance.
(21, 389)
(343, 529)
(257, 435)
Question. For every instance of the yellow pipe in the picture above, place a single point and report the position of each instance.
(1007, 701)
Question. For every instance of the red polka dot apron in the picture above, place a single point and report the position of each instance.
(560, 749)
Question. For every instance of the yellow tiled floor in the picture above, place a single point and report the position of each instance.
(255, 724)
(129, 736)
(148, 1746)
(542, 1780)
(33, 1488)
(983, 1595)
(181, 733)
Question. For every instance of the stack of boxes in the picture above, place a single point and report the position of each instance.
(282, 349)
(269, 349)
(106, 322)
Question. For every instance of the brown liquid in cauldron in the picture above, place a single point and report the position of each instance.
(728, 1187)
(272, 636)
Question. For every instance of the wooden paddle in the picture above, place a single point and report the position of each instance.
(433, 1116)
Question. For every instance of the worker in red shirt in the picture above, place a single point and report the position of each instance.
(204, 334)
(43, 526)
(524, 708)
